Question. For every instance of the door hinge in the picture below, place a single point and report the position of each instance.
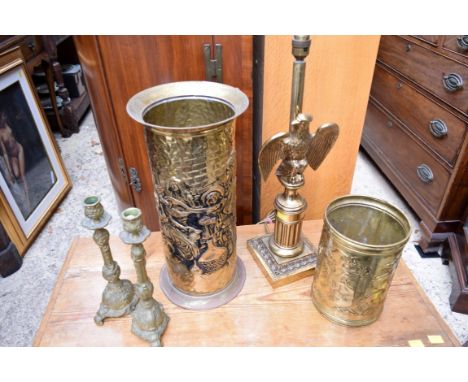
(213, 66)
(135, 181)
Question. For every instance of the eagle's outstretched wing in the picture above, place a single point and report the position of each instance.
(272, 150)
(321, 144)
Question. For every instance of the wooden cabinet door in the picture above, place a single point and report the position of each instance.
(237, 72)
(125, 65)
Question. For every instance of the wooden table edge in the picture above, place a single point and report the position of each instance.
(432, 308)
(55, 292)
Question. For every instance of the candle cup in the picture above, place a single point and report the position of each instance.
(360, 247)
(118, 297)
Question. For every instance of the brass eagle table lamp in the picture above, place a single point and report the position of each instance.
(285, 253)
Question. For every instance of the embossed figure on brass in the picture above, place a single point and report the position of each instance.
(149, 321)
(296, 149)
(118, 297)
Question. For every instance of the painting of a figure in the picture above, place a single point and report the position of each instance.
(24, 163)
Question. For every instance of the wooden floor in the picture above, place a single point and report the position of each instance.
(259, 316)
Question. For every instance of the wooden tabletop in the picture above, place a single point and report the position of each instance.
(259, 316)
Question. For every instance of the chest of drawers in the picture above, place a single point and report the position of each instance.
(416, 132)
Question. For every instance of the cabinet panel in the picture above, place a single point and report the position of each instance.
(102, 105)
(237, 72)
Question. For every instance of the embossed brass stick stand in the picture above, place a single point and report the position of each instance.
(285, 254)
(190, 129)
(118, 297)
(148, 319)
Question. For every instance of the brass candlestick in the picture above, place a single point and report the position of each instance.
(148, 319)
(286, 254)
(118, 298)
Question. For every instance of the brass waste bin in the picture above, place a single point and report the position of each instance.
(360, 248)
(189, 129)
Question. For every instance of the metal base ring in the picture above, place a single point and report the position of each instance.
(203, 302)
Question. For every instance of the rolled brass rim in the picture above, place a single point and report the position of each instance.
(91, 201)
(131, 213)
(141, 102)
(378, 204)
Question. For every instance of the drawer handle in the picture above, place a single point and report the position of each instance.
(438, 128)
(453, 82)
(32, 46)
(462, 42)
(425, 173)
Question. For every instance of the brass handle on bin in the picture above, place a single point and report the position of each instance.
(438, 128)
(425, 173)
(453, 82)
(462, 43)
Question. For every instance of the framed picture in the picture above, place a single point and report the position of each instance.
(33, 179)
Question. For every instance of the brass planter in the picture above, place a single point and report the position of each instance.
(190, 130)
(360, 248)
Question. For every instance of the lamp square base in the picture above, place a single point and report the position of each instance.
(280, 270)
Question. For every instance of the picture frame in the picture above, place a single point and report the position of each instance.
(33, 178)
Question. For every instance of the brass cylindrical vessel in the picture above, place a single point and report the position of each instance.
(360, 248)
(190, 130)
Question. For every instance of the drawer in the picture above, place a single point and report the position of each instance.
(457, 44)
(406, 158)
(442, 131)
(428, 69)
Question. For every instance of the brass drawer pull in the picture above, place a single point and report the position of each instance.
(453, 82)
(462, 43)
(425, 173)
(438, 128)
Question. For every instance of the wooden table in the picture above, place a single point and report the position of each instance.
(259, 316)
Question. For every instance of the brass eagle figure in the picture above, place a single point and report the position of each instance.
(297, 149)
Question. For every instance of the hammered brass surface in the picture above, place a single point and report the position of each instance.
(190, 142)
(360, 247)
(195, 187)
(188, 112)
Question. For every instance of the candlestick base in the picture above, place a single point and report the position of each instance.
(118, 298)
(149, 321)
(282, 270)
(203, 302)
